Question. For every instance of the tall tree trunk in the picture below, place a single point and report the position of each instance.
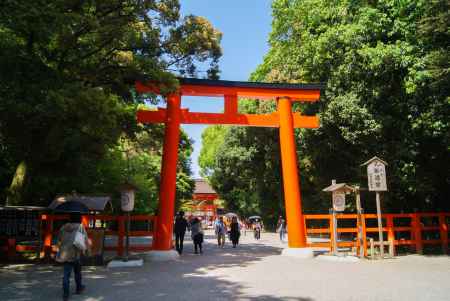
(18, 184)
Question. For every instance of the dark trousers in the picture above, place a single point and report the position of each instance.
(198, 246)
(198, 240)
(68, 266)
(179, 240)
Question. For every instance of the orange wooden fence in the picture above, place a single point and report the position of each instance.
(417, 226)
(414, 225)
(49, 231)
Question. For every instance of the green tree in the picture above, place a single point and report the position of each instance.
(385, 65)
(66, 74)
(212, 138)
(378, 60)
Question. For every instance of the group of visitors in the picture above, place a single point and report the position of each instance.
(73, 241)
(233, 230)
(180, 227)
(221, 229)
(257, 228)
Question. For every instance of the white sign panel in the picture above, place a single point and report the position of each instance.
(376, 175)
(339, 201)
(127, 200)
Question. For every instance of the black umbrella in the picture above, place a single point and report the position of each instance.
(72, 207)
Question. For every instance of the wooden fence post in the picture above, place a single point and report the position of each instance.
(306, 230)
(364, 233)
(120, 234)
(443, 230)
(48, 231)
(331, 229)
(155, 228)
(11, 248)
(391, 233)
(417, 228)
(85, 221)
(372, 249)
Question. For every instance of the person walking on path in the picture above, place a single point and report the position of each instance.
(197, 235)
(235, 231)
(281, 226)
(257, 227)
(179, 229)
(221, 231)
(72, 242)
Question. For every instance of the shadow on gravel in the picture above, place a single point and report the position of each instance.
(193, 277)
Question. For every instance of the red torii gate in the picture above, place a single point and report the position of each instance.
(284, 119)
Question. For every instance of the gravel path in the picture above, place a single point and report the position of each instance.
(253, 271)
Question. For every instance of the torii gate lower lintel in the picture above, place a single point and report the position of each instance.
(284, 119)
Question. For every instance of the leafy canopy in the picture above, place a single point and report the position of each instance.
(66, 74)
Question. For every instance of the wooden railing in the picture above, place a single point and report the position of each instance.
(50, 230)
(416, 226)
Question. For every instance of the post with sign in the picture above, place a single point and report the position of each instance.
(127, 192)
(338, 206)
(338, 195)
(127, 201)
(376, 179)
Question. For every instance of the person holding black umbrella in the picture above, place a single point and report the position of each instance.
(72, 242)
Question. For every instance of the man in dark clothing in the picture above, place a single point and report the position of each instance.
(179, 230)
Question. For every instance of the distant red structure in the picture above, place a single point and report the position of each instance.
(203, 201)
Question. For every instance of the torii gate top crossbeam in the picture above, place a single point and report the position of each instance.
(231, 90)
(218, 88)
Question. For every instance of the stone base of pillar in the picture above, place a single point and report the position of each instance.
(125, 264)
(338, 258)
(162, 255)
(303, 253)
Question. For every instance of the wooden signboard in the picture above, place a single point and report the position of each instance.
(376, 175)
(339, 200)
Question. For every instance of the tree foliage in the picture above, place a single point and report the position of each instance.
(67, 69)
(212, 137)
(138, 160)
(385, 65)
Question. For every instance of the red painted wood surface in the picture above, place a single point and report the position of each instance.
(49, 232)
(284, 119)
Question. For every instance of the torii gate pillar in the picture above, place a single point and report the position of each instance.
(292, 199)
(167, 190)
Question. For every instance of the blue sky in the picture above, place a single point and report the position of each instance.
(245, 26)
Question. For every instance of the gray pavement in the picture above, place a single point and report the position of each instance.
(253, 271)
